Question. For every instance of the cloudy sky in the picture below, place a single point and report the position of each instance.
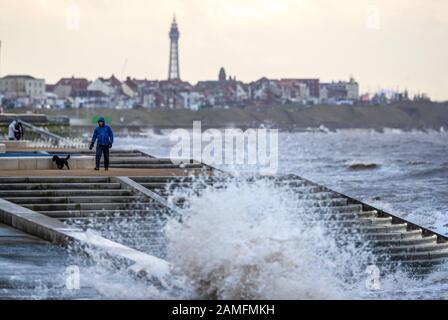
(382, 43)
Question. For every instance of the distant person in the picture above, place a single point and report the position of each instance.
(19, 131)
(12, 130)
(103, 133)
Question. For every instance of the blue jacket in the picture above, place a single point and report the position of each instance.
(103, 134)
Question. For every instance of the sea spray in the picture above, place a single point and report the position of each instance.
(248, 238)
(255, 240)
(123, 273)
(323, 157)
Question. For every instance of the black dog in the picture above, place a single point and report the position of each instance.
(61, 162)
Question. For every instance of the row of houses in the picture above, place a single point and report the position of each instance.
(224, 92)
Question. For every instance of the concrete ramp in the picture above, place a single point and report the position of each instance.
(32, 268)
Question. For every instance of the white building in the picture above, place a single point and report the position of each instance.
(103, 86)
(335, 92)
(22, 86)
(193, 100)
(352, 88)
(241, 93)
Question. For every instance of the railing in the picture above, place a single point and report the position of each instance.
(42, 131)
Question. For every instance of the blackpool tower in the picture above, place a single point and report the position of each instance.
(173, 72)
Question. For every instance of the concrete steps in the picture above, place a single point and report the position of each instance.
(90, 200)
(72, 199)
(171, 179)
(412, 234)
(58, 186)
(154, 166)
(433, 254)
(71, 196)
(88, 214)
(64, 193)
(344, 218)
(389, 243)
(83, 206)
(425, 247)
(349, 220)
(350, 208)
(394, 241)
(168, 185)
(369, 229)
(5, 180)
(142, 159)
(132, 216)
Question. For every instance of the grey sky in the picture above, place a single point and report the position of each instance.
(383, 43)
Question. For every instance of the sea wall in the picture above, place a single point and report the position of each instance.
(409, 115)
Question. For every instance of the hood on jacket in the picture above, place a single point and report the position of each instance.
(101, 119)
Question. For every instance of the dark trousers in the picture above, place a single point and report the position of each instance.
(102, 149)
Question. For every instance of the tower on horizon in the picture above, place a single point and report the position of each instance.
(173, 72)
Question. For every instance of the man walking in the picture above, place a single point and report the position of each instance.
(103, 133)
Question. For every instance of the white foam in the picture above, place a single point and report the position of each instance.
(245, 241)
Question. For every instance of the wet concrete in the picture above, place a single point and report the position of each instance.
(32, 268)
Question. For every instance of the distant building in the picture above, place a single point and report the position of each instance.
(53, 101)
(23, 86)
(421, 97)
(296, 90)
(313, 85)
(265, 90)
(335, 92)
(132, 85)
(148, 92)
(171, 93)
(89, 99)
(111, 87)
(151, 98)
(66, 86)
(273, 91)
(100, 84)
(193, 99)
(222, 74)
(49, 88)
(223, 92)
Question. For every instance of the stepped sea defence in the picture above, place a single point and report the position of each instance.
(126, 219)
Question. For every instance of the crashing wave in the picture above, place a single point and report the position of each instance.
(258, 241)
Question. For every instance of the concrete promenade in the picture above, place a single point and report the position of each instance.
(127, 172)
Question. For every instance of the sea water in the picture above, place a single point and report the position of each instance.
(256, 241)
